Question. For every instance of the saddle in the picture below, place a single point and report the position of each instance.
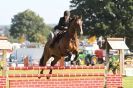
(57, 38)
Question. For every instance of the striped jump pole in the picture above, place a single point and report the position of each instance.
(57, 75)
(56, 67)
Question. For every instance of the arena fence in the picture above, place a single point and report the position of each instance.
(62, 77)
(2, 82)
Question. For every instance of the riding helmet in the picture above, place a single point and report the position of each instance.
(66, 13)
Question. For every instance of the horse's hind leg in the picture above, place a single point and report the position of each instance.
(52, 64)
(46, 57)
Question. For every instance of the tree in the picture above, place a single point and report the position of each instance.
(112, 18)
(30, 25)
(21, 39)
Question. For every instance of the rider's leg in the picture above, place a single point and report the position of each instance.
(54, 38)
(53, 42)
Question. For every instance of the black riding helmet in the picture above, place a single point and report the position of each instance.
(66, 13)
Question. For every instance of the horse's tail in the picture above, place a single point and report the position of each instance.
(41, 63)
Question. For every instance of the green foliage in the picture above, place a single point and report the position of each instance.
(30, 25)
(21, 39)
(105, 17)
(114, 64)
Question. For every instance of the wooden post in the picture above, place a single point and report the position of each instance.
(106, 63)
(4, 66)
(26, 61)
(61, 61)
(122, 62)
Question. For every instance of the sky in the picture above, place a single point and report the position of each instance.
(49, 10)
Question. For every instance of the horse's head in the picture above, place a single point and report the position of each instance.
(76, 24)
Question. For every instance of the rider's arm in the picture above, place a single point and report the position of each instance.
(60, 24)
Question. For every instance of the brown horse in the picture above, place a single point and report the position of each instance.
(66, 44)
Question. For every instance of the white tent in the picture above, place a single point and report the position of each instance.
(4, 44)
(118, 44)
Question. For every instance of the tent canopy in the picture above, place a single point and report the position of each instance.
(117, 44)
(4, 44)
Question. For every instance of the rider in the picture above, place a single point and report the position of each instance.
(62, 26)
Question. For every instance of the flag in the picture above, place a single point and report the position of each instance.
(92, 39)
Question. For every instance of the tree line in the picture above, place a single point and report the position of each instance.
(107, 18)
(27, 25)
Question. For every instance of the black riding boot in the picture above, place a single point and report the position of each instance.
(55, 39)
(53, 42)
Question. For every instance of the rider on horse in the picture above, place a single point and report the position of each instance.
(61, 27)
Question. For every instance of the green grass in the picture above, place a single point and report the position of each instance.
(127, 82)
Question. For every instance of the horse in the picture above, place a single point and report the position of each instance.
(67, 44)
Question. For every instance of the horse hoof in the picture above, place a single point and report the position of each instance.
(41, 72)
(39, 77)
(48, 77)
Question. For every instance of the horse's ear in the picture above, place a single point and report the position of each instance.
(79, 17)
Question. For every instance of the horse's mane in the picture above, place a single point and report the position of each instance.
(74, 17)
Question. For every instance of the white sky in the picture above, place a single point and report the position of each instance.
(50, 10)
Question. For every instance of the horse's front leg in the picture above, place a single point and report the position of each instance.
(75, 58)
(70, 54)
(76, 55)
(42, 63)
(41, 72)
(52, 64)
